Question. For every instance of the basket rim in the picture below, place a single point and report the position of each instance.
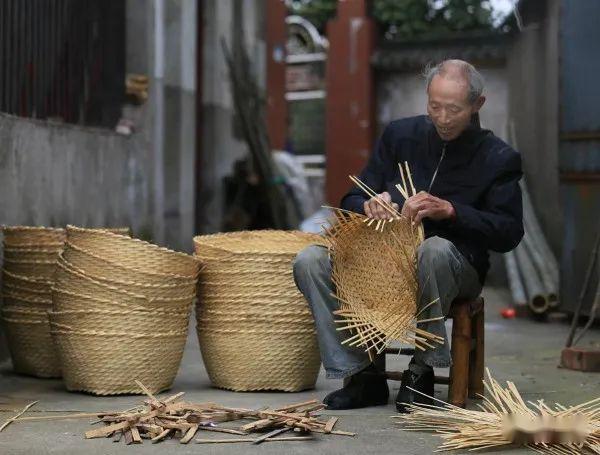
(17, 228)
(184, 278)
(121, 237)
(199, 241)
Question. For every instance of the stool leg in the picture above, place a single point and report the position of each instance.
(461, 346)
(476, 360)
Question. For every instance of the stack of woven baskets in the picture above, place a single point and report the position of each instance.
(121, 310)
(30, 255)
(255, 329)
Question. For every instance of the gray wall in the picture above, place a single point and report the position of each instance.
(533, 109)
(54, 174)
(220, 146)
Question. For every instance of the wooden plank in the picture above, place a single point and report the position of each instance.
(255, 425)
(222, 430)
(135, 434)
(128, 436)
(224, 441)
(161, 436)
(330, 424)
(271, 434)
(294, 406)
(189, 435)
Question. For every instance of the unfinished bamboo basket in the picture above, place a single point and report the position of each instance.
(133, 253)
(374, 270)
(108, 362)
(255, 330)
(29, 342)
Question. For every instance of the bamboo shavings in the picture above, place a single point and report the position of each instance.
(505, 419)
(160, 419)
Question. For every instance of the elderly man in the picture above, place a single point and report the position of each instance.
(469, 202)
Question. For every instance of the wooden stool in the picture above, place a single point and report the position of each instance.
(467, 348)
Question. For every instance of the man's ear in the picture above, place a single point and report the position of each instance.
(477, 104)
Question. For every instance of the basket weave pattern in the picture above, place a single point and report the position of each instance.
(29, 262)
(255, 329)
(375, 275)
(119, 314)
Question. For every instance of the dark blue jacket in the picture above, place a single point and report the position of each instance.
(479, 175)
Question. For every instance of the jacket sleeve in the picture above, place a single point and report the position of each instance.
(498, 223)
(372, 175)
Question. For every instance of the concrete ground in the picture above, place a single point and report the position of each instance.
(522, 350)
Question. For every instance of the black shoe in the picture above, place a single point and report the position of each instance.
(367, 388)
(422, 382)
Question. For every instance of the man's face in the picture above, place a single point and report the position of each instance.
(449, 107)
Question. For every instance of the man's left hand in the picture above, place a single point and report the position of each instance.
(424, 205)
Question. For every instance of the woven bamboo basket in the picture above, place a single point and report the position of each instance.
(37, 285)
(110, 270)
(133, 253)
(122, 320)
(255, 330)
(22, 254)
(375, 275)
(68, 279)
(36, 236)
(31, 348)
(41, 269)
(106, 362)
(21, 300)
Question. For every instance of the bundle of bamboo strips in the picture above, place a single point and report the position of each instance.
(375, 274)
(505, 419)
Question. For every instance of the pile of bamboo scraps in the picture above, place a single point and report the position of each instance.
(505, 419)
(172, 417)
(375, 274)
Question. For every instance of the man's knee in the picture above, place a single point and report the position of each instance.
(312, 259)
(434, 252)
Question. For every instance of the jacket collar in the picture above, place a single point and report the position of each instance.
(460, 150)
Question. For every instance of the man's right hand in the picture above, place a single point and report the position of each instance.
(374, 210)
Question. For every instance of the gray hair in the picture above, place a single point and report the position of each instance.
(455, 69)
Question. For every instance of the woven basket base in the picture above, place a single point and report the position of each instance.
(31, 348)
(109, 364)
(252, 361)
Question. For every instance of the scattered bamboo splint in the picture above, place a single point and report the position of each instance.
(505, 419)
(375, 274)
(159, 419)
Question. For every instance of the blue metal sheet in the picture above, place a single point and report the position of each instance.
(581, 156)
(581, 210)
(580, 65)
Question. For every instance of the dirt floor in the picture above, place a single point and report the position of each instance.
(522, 350)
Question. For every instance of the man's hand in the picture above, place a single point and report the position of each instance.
(374, 210)
(424, 205)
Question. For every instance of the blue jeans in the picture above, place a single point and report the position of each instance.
(444, 274)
